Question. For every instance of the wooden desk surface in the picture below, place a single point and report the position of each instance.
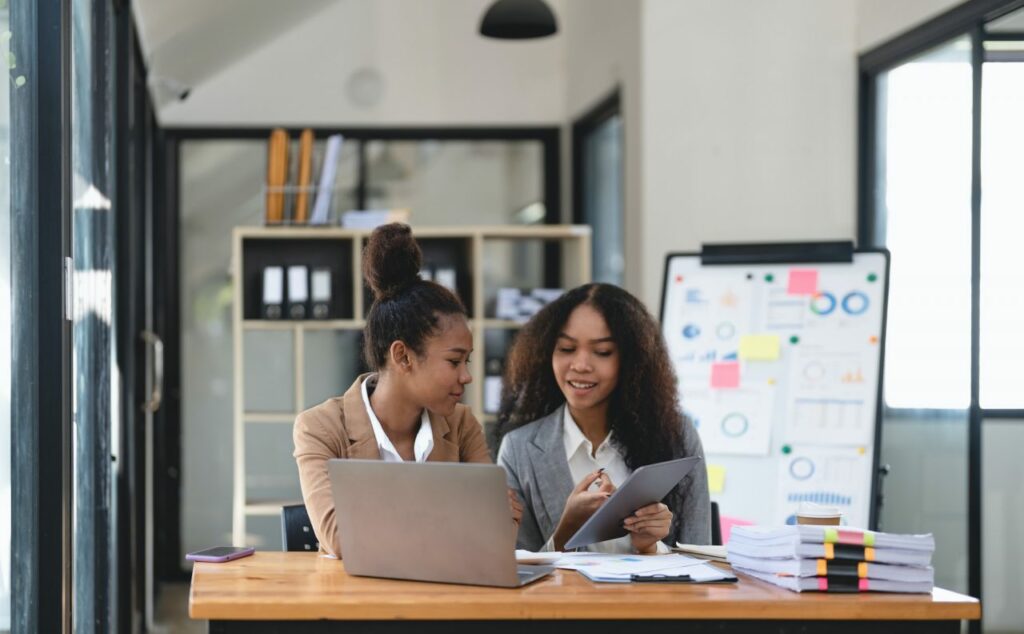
(304, 586)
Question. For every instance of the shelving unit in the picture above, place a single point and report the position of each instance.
(474, 252)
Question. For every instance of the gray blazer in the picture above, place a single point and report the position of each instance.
(534, 460)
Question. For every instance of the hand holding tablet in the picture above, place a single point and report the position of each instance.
(647, 485)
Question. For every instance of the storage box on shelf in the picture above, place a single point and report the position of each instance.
(325, 355)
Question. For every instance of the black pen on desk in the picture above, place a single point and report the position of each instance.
(660, 578)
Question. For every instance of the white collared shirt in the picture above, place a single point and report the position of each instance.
(421, 446)
(583, 460)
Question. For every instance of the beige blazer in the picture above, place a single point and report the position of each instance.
(340, 428)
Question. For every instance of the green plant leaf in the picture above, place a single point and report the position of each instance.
(20, 81)
(12, 60)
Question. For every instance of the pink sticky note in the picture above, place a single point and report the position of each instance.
(727, 523)
(803, 282)
(725, 375)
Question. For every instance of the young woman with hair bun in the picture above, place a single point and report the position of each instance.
(418, 346)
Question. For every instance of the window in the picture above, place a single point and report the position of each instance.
(923, 203)
(1002, 222)
(598, 187)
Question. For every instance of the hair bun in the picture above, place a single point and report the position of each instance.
(392, 259)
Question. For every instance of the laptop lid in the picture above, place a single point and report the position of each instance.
(430, 521)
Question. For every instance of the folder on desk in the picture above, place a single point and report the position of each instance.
(273, 292)
(298, 291)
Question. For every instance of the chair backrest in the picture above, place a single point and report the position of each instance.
(716, 525)
(296, 529)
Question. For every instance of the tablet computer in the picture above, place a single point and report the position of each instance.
(648, 484)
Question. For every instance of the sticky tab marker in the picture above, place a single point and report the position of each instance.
(725, 375)
(869, 538)
(802, 282)
(831, 535)
(822, 567)
(759, 347)
(830, 551)
(863, 585)
(869, 554)
(823, 584)
(716, 478)
(862, 569)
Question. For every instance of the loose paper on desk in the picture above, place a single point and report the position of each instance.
(609, 568)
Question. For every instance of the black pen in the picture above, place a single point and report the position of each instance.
(660, 578)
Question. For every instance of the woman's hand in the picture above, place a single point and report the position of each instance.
(516, 506)
(581, 505)
(648, 526)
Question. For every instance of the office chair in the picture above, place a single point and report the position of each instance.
(296, 529)
(716, 525)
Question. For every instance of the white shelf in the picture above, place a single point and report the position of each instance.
(307, 324)
(575, 266)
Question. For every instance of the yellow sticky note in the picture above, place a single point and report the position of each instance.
(759, 347)
(716, 478)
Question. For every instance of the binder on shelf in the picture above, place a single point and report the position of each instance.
(301, 215)
(298, 291)
(277, 175)
(322, 206)
(273, 292)
(320, 286)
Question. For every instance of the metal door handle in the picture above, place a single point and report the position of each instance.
(156, 395)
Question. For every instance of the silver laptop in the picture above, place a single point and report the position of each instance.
(428, 521)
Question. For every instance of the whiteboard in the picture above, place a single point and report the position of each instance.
(779, 366)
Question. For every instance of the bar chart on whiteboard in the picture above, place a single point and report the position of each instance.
(779, 368)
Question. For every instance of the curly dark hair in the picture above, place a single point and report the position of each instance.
(405, 307)
(643, 409)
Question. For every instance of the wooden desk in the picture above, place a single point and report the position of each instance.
(291, 592)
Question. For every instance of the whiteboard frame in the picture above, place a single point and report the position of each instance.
(875, 495)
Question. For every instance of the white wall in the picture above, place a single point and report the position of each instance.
(434, 66)
(749, 120)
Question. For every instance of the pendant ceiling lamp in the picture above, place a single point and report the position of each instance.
(518, 20)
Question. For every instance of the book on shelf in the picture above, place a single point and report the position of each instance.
(304, 178)
(325, 188)
(277, 175)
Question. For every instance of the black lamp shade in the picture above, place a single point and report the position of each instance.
(518, 20)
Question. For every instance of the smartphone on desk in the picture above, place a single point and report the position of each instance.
(221, 554)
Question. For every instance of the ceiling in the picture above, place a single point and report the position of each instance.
(187, 41)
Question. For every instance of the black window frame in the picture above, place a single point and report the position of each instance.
(167, 292)
(41, 440)
(967, 19)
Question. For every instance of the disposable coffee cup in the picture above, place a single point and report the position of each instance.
(812, 514)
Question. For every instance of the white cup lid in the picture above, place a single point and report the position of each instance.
(810, 509)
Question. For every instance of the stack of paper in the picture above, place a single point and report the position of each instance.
(612, 568)
(833, 558)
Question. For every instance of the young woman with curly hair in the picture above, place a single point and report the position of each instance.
(590, 396)
(418, 343)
